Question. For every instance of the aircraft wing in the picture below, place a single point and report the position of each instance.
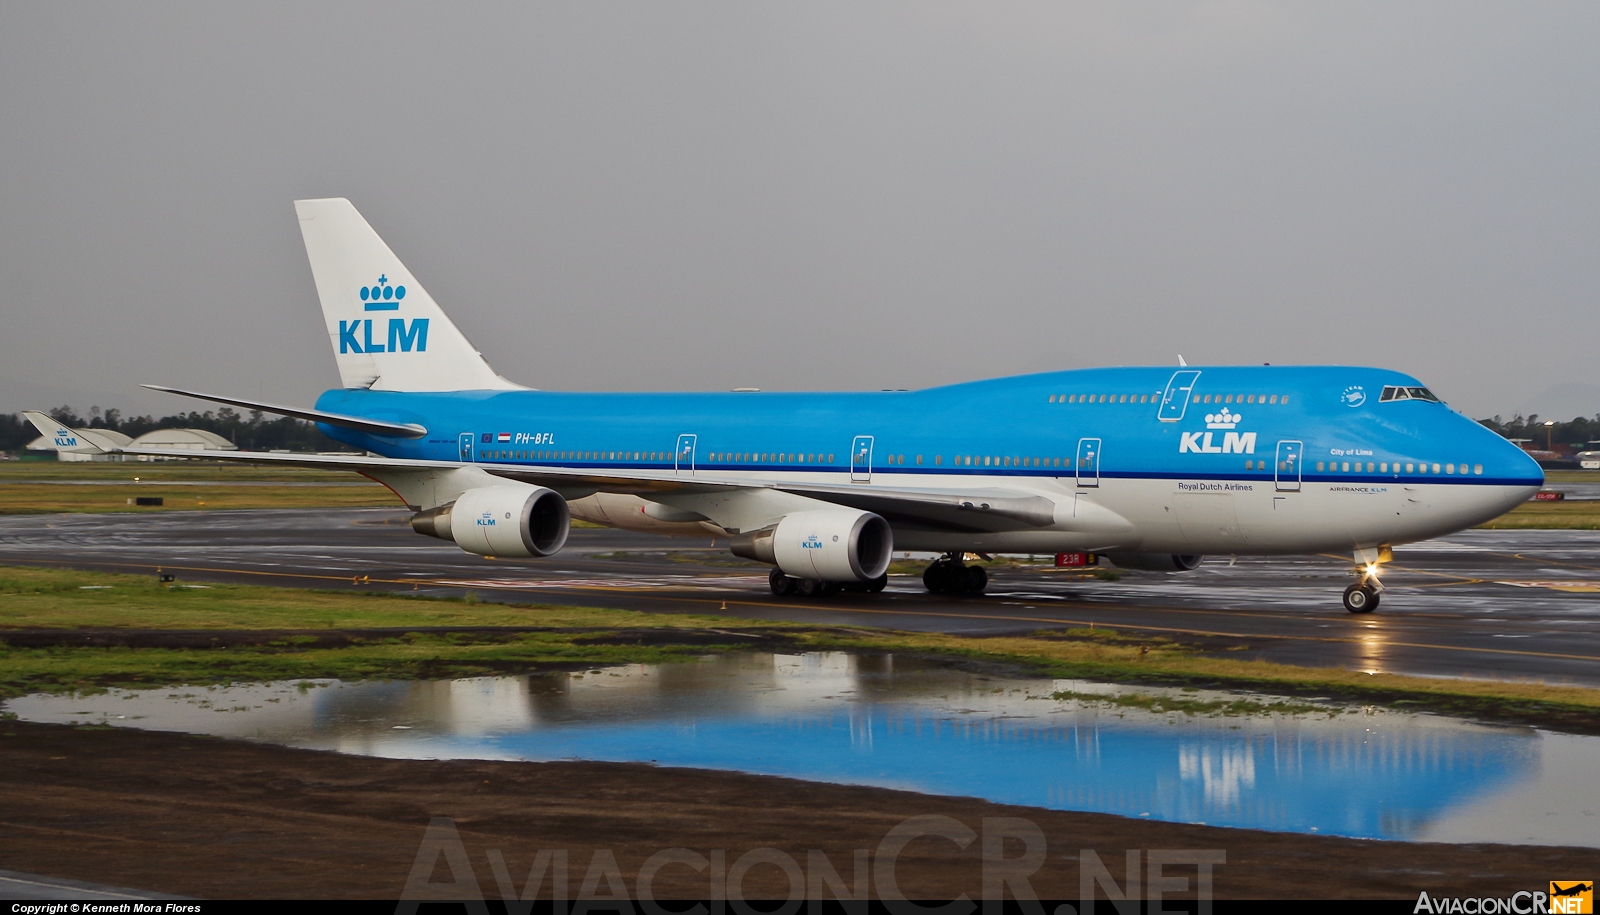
(359, 423)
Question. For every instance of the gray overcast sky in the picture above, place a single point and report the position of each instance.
(703, 195)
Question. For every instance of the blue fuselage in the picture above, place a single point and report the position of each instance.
(1223, 424)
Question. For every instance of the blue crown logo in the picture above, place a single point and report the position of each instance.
(380, 296)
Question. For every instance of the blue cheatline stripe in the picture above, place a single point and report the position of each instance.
(1041, 473)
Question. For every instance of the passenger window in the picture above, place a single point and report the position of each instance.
(1250, 399)
(1345, 467)
(1052, 398)
(1369, 467)
(1383, 466)
(1436, 468)
(1450, 468)
(1283, 400)
(1477, 469)
(1411, 468)
(938, 460)
(1320, 466)
(1228, 399)
(1273, 399)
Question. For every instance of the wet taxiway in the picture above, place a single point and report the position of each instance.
(1508, 604)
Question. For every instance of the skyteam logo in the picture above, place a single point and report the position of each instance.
(1232, 442)
(356, 336)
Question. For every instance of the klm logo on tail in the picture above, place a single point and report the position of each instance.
(356, 336)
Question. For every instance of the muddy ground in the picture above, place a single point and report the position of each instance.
(231, 819)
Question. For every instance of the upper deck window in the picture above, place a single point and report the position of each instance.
(1396, 392)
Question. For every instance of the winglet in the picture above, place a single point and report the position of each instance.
(1180, 360)
(65, 439)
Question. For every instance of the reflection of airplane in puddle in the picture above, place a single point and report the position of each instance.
(896, 723)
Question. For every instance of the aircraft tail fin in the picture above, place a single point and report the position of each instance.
(387, 333)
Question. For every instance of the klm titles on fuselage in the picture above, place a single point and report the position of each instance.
(1232, 442)
(356, 336)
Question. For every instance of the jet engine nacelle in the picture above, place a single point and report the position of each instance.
(1155, 562)
(824, 545)
(500, 521)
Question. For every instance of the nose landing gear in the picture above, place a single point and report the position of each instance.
(1362, 597)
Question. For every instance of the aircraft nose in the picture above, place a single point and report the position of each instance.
(1511, 475)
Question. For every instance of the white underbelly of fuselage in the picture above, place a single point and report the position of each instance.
(1168, 515)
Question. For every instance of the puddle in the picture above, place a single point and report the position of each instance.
(880, 721)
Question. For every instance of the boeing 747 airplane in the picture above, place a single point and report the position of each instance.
(1152, 467)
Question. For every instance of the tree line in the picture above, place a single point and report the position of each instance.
(253, 431)
(1575, 432)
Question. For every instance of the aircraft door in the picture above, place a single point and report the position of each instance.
(1287, 469)
(1088, 462)
(683, 458)
(1175, 399)
(466, 447)
(861, 459)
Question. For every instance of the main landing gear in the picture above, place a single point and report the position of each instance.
(786, 585)
(949, 575)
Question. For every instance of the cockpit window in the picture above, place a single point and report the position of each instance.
(1395, 392)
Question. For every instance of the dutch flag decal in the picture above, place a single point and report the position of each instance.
(504, 436)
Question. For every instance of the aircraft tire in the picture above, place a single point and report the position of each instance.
(1360, 599)
(807, 587)
(977, 580)
(780, 583)
(878, 584)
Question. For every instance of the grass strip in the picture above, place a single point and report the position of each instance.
(517, 639)
(1569, 516)
(36, 499)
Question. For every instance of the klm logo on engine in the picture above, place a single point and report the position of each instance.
(812, 542)
(401, 337)
(487, 520)
(1232, 442)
